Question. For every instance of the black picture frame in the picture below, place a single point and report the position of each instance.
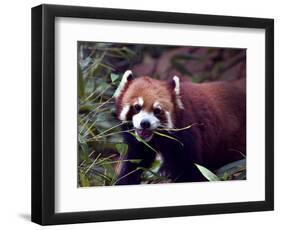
(43, 114)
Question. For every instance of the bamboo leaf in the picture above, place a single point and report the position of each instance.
(114, 77)
(167, 136)
(207, 173)
(84, 153)
(81, 85)
(158, 176)
(135, 161)
(84, 182)
(122, 148)
(144, 142)
(232, 168)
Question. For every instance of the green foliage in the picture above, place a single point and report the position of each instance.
(99, 131)
(84, 182)
(114, 78)
(207, 173)
(122, 148)
(168, 136)
(144, 142)
(101, 151)
(232, 171)
(151, 175)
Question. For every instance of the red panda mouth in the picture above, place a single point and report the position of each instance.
(145, 134)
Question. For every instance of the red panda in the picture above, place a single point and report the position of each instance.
(146, 105)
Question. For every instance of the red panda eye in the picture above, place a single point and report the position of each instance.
(157, 111)
(137, 108)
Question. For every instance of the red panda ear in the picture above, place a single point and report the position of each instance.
(172, 84)
(127, 76)
(175, 86)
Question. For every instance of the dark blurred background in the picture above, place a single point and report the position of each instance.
(197, 64)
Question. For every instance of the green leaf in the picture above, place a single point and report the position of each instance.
(94, 70)
(130, 52)
(121, 148)
(207, 173)
(225, 176)
(84, 182)
(84, 153)
(232, 168)
(81, 85)
(168, 136)
(155, 165)
(109, 170)
(106, 66)
(135, 161)
(144, 142)
(114, 77)
(86, 108)
(102, 86)
(150, 173)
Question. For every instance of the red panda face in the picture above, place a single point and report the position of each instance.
(147, 103)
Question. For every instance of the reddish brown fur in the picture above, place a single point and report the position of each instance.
(150, 90)
(219, 106)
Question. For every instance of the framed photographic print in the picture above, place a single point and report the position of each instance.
(142, 114)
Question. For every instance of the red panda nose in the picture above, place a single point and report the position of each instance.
(145, 124)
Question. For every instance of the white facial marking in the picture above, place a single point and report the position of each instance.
(169, 120)
(139, 101)
(122, 83)
(177, 92)
(156, 104)
(154, 121)
(179, 102)
(177, 85)
(123, 114)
